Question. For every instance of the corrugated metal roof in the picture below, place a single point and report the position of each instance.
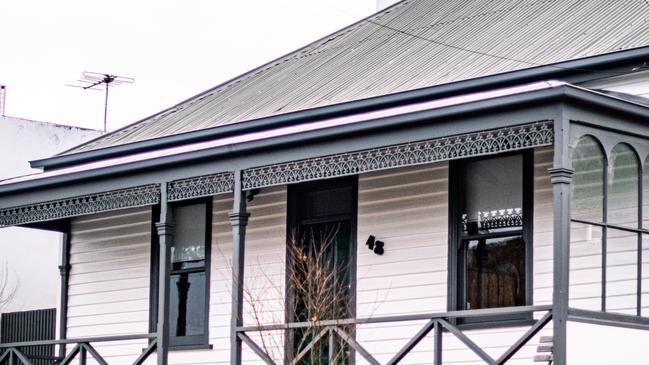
(414, 44)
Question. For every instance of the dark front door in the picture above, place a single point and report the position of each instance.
(321, 249)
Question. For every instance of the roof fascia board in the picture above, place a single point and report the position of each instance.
(151, 171)
(576, 70)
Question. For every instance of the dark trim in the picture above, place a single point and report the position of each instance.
(641, 227)
(190, 347)
(551, 94)
(608, 319)
(64, 270)
(488, 312)
(293, 221)
(202, 341)
(456, 201)
(572, 71)
(605, 168)
(154, 270)
(79, 340)
(604, 225)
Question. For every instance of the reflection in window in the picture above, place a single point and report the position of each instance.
(588, 181)
(621, 271)
(493, 193)
(492, 246)
(623, 187)
(188, 276)
(495, 273)
(606, 229)
(585, 266)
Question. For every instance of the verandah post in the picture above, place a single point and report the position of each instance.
(165, 228)
(239, 220)
(561, 177)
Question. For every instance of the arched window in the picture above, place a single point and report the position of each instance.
(586, 239)
(606, 230)
(588, 181)
(623, 180)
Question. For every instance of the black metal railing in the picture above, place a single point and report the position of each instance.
(13, 353)
(438, 322)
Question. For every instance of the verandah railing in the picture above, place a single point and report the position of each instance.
(11, 353)
(437, 322)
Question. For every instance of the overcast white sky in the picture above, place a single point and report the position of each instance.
(173, 50)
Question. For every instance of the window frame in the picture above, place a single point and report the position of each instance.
(640, 230)
(456, 250)
(294, 207)
(182, 342)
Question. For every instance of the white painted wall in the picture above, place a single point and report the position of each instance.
(109, 280)
(32, 255)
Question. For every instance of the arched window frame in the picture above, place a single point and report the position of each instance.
(640, 229)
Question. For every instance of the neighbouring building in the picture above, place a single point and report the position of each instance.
(444, 182)
(29, 257)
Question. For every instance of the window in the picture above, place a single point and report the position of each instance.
(321, 266)
(491, 208)
(189, 276)
(607, 231)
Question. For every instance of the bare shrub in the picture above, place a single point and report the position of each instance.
(318, 290)
(7, 291)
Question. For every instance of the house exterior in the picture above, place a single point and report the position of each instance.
(467, 175)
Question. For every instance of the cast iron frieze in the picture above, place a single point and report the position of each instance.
(81, 205)
(200, 186)
(408, 154)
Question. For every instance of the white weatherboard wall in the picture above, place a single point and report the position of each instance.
(109, 280)
(32, 256)
(407, 208)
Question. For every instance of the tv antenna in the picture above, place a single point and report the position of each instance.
(93, 80)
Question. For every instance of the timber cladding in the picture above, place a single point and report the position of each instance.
(109, 279)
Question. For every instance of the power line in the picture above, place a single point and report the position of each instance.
(505, 58)
(486, 54)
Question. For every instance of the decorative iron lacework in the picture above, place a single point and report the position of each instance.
(502, 218)
(81, 205)
(196, 187)
(407, 154)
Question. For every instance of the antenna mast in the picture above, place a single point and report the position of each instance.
(3, 95)
(92, 80)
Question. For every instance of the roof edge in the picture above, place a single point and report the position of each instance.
(572, 68)
(554, 93)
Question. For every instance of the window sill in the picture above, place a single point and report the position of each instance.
(501, 322)
(204, 346)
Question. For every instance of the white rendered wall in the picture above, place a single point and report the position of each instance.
(32, 255)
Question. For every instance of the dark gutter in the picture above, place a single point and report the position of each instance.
(554, 94)
(563, 71)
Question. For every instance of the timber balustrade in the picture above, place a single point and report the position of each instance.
(437, 322)
(11, 353)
